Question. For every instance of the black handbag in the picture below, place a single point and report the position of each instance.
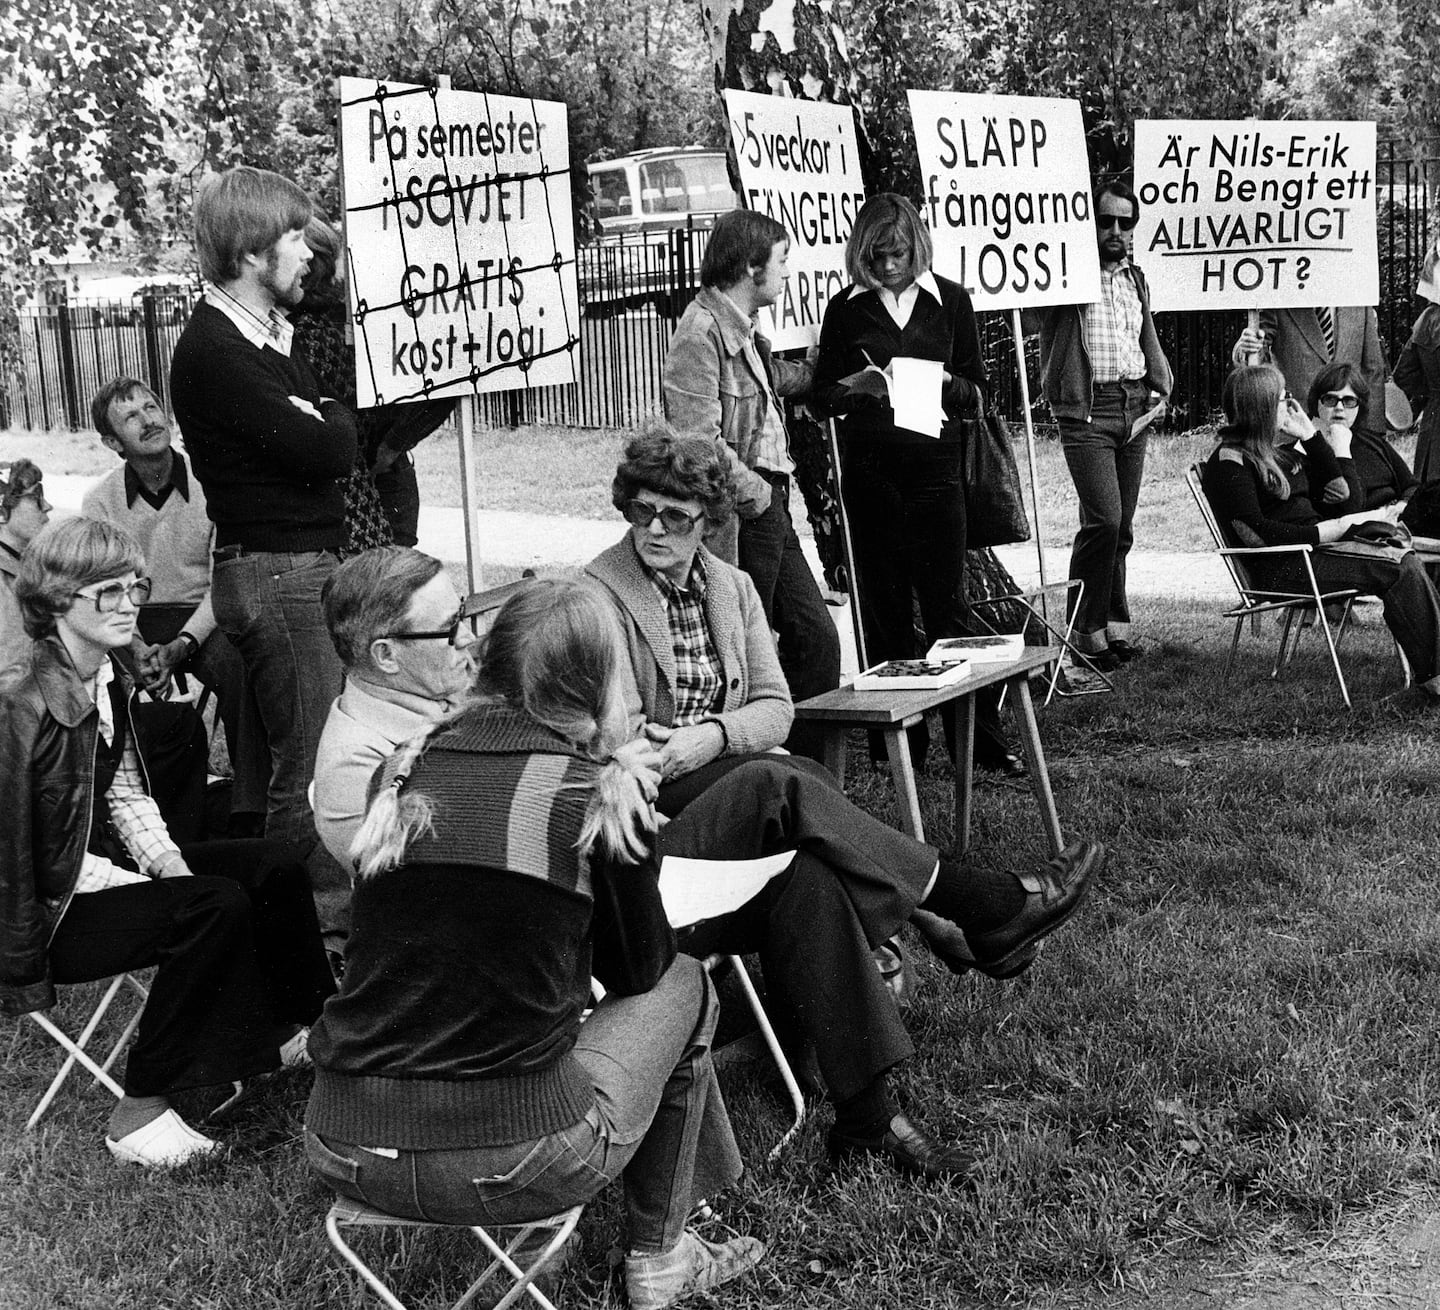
(994, 508)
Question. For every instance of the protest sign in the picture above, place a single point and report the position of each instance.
(460, 242)
(1007, 197)
(799, 165)
(1250, 215)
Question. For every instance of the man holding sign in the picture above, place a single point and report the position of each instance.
(721, 381)
(1105, 378)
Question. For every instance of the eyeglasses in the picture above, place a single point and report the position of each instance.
(642, 514)
(1334, 400)
(1106, 221)
(107, 599)
(461, 632)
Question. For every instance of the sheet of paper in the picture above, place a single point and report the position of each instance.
(1147, 418)
(915, 394)
(692, 890)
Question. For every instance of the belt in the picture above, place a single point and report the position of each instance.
(773, 478)
(230, 552)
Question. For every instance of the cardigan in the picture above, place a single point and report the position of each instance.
(270, 470)
(468, 967)
(858, 330)
(757, 710)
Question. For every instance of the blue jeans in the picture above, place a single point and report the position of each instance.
(809, 646)
(658, 1120)
(1106, 464)
(268, 604)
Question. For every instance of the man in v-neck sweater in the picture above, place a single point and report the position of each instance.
(268, 450)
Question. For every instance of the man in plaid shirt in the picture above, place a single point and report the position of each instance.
(1105, 377)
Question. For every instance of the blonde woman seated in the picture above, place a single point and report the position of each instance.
(1274, 481)
(454, 1079)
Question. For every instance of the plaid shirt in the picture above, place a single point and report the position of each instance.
(274, 330)
(1112, 328)
(135, 815)
(699, 682)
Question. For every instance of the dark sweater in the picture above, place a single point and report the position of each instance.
(468, 967)
(269, 470)
(1238, 496)
(1383, 474)
(858, 326)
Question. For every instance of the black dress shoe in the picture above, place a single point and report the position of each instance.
(1125, 652)
(908, 1149)
(1052, 896)
(947, 943)
(1106, 661)
(1007, 765)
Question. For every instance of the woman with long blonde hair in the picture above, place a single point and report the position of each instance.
(1275, 481)
(454, 1079)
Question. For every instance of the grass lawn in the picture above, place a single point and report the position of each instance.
(1228, 1052)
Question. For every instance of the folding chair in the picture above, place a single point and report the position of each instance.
(767, 1033)
(1256, 601)
(1040, 613)
(346, 1214)
(75, 1047)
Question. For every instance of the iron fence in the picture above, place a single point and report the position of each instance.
(632, 293)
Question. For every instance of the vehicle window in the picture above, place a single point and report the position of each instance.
(612, 192)
(690, 184)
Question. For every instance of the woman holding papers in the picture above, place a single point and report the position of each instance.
(900, 367)
(499, 861)
(707, 707)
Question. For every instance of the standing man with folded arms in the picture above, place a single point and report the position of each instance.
(269, 451)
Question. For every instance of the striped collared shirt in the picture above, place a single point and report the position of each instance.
(699, 682)
(134, 814)
(273, 330)
(1112, 328)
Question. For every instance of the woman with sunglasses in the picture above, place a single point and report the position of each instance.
(1383, 479)
(707, 707)
(1274, 481)
(902, 490)
(23, 512)
(91, 883)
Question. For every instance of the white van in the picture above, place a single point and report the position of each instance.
(653, 190)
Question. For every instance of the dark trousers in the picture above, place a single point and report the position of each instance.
(1106, 464)
(268, 604)
(238, 954)
(906, 509)
(398, 488)
(852, 885)
(173, 743)
(1411, 603)
(809, 646)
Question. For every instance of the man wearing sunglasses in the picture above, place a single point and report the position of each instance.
(1103, 371)
(399, 628)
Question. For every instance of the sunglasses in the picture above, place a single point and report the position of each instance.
(1106, 221)
(642, 514)
(460, 632)
(107, 599)
(1334, 400)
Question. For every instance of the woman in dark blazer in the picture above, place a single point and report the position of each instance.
(902, 490)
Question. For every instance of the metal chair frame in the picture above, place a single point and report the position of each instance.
(347, 1214)
(1063, 636)
(1258, 601)
(75, 1048)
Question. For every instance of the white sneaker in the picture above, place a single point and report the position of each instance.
(295, 1053)
(165, 1142)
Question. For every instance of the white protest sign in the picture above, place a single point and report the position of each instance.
(460, 243)
(1007, 197)
(1252, 215)
(799, 165)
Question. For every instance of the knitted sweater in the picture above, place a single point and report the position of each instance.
(468, 967)
(269, 469)
(1239, 496)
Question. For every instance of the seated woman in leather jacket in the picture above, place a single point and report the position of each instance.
(91, 883)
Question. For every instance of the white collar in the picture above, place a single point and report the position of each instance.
(274, 330)
(925, 282)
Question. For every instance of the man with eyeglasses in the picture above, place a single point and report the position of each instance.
(1105, 376)
(398, 626)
